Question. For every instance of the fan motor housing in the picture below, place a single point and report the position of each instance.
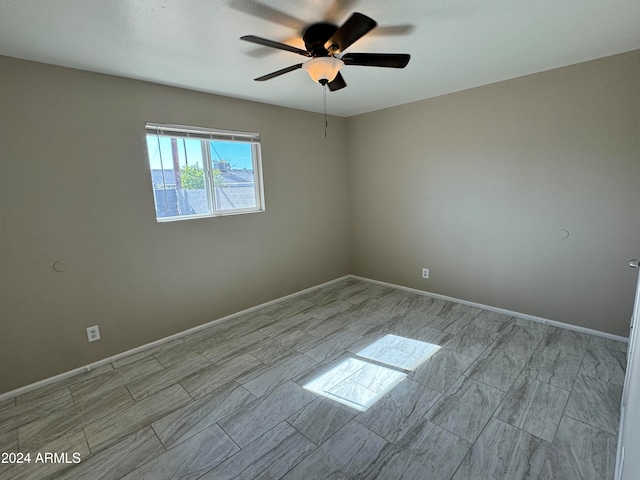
(315, 36)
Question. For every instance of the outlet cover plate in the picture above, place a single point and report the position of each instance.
(93, 333)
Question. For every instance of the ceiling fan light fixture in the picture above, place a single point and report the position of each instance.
(323, 69)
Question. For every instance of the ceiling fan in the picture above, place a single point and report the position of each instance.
(323, 41)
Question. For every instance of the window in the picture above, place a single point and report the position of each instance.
(200, 172)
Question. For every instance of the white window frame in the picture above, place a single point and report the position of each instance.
(211, 134)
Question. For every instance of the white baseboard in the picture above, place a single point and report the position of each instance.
(510, 313)
(113, 358)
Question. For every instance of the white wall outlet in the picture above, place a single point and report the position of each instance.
(425, 273)
(93, 333)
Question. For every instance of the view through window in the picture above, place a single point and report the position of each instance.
(198, 172)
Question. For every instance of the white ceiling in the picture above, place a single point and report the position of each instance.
(454, 44)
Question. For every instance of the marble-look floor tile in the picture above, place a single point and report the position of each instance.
(534, 407)
(190, 459)
(96, 387)
(9, 441)
(70, 444)
(267, 379)
(372, 292)
(408, 323)
(261, 415)
(596, 403)
(340, 321)
(496, 368)
(399, 352)
(287, 308)
(43, 393)
(605, 364)
(442, 370)
(411, 300)
(323, 312)
(332, 345)
(434, 306)
(580, 452)
(456, 318)
(503, 451)
(276, 348)
(466, 408)
(569, 341)
(320, 368)
(321, 418)
(368, 334)
(538, 329)
(355, 383)
(119, 459)
(370, 312)
(231, 348)
(149, 352)
(553, 366)
(432, 335)
(195, 417)
(297, 322)
(8, 403)
(395, 302)
(318, 431)
(187, 351)
(492, 322)
(322, 296)
(159, 380)
(209, 379)
(355, 287)
(426, 452)
(606, 343)
(24, 413)
(267, 457)
(246, 324)
(196, 342)
(470, 341)
(399, 411)
(351, 453)
(501, 363)
(119, 424)
(524, 340)
(73, 418)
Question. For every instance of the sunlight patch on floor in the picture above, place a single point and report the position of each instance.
(355, 383)
(400, 352)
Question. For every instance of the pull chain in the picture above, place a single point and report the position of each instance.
(324, 101)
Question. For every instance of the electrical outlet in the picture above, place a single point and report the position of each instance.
(93, 333)
(425, 273)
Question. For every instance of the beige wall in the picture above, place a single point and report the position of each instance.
(74, 186)
(476, 186)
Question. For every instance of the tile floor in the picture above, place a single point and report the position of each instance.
(503, 398)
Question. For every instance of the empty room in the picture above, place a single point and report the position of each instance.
(252, 239)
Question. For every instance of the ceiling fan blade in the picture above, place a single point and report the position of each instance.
(271, 75)
(271, 43)
(268, 13)
(338, 10)
(391, 60)
(337, 83)
(353, 29)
